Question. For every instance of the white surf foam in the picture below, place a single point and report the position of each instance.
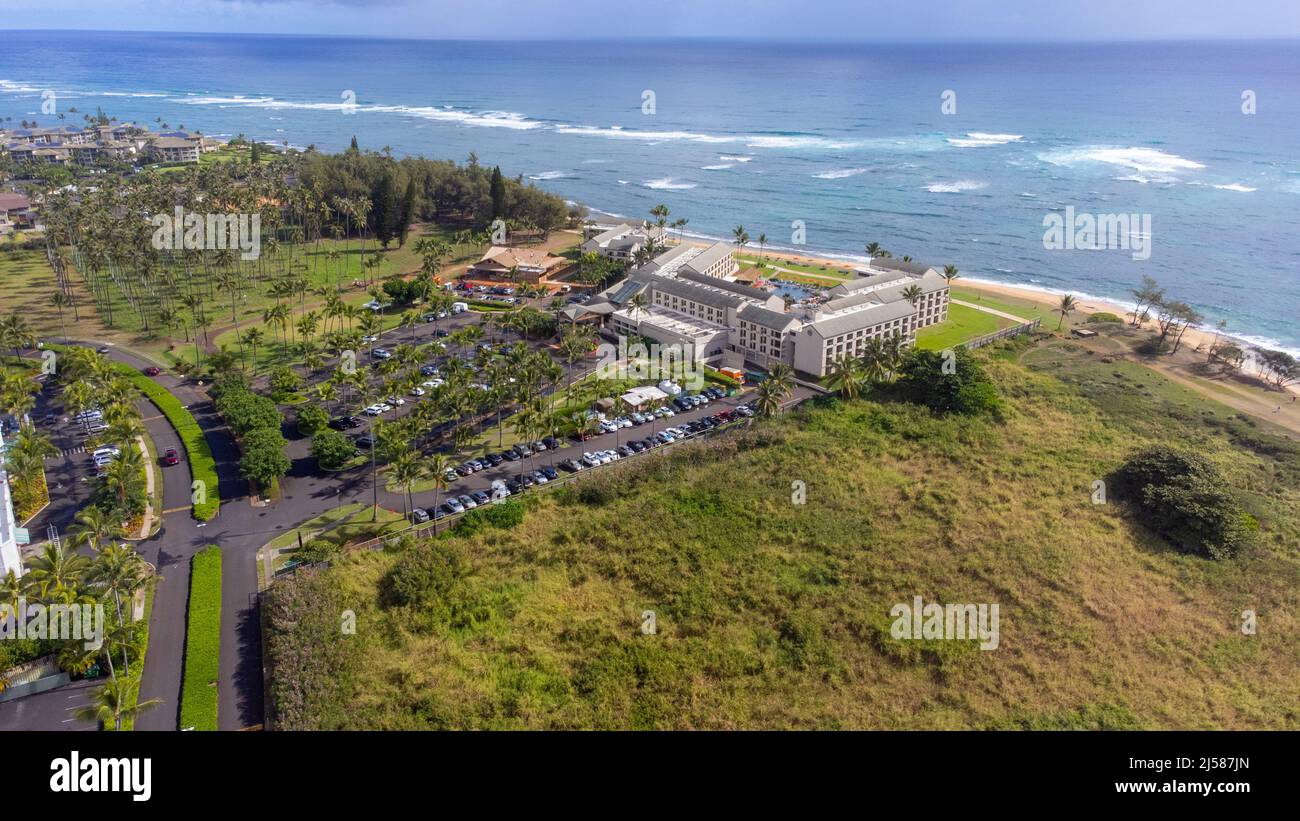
(840, 173)
(1142, 160)
(955, 187)
(668, 184)
(982, 139)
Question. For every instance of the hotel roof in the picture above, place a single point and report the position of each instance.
(775, 320)
(710, 256)
(853, 320)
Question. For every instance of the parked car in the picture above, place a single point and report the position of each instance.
(152, 371)
(571, 465)
(417, 391)
(514, 485)
(366, 441)
(550, 473)
(450, 474)
(510, 455)
(171, 457)
(429, 370)
(453, 505)
(480, 497)
(419, 516)
(539, 477)
(494, 459)
(467, 501)
(552, 442)
(381, 353)
(538, 446)
(624, 451)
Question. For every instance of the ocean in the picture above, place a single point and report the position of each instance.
(949, 153)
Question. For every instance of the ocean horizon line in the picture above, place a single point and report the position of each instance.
(712, 38)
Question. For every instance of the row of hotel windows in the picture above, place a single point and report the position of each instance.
(690, 307)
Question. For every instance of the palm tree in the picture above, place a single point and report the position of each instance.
(741, 237)
(112, 702)
(949, 274)
(407, 469)
(94, 525)
(874, 250)
(762, 246)
(437, 474)
(60, 301)
(912, 294)
(16, 333)
(55, 573)
(845, 377)
(1065, 308)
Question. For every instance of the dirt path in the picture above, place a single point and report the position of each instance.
(994, 311)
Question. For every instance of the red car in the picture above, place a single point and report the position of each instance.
(171, 457)
(151, 371)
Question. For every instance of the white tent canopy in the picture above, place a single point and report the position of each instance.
(637, 397)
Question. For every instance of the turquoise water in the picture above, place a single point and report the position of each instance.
(850, 141)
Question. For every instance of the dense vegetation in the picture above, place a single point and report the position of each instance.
(1183, 497)
(772, 613)
(202, 641)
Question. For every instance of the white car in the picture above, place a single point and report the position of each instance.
(395, 401)
(373, 410)
(433, 383)
(417, 391)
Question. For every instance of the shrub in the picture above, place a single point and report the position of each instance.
(202, 642)
(1184, 499)
(245, 411)
(966, 390)
(311, 419)
(501, 515)
(332, 449)
(284, 381)
(1104, 316)
(313, 663)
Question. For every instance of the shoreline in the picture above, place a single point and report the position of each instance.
(1196, 336)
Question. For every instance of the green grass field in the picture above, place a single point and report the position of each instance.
(774, 614)
(963, 324)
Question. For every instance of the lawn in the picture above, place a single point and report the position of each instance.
(202, 642)
(963, 324)
(776, 614)
(1029, 309)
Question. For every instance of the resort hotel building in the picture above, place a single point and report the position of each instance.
(688, 296)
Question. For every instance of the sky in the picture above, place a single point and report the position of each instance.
(840, 20)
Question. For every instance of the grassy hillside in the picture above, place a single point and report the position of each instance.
(773, 614)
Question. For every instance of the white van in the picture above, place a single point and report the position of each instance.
(459, 307)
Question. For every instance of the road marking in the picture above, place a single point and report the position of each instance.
(176, 510)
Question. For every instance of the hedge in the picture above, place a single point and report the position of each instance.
(203, 467)
(202, 642)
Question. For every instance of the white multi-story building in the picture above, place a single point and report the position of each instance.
(684, 289)
(10, 558)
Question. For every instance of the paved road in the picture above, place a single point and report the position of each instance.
(241, 529)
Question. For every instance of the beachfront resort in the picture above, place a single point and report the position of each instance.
(74, 145)
(690, 296)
